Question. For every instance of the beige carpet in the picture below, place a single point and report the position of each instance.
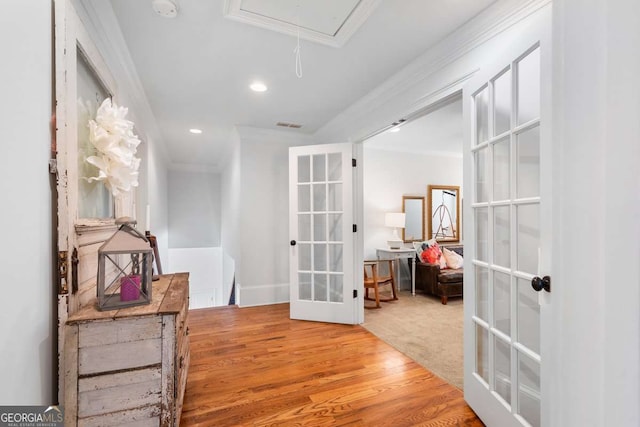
(423, 329)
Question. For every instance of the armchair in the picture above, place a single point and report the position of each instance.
(444, 283)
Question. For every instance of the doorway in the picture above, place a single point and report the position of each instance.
(401, 162)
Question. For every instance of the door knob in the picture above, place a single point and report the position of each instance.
(292, 243)
(539, 284)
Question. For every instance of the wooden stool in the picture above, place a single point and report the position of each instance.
(375, 280)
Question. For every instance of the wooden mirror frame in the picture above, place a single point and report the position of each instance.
(452, 188)
(419, 238)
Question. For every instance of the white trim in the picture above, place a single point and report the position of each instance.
(362, 11)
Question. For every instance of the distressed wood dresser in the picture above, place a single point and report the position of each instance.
(129, 366)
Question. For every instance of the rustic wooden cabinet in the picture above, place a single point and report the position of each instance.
(129, 366)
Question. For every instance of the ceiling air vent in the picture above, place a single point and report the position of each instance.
(289, 125)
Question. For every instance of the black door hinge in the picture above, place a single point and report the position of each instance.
(355, 293)
(353, 162)
(355, 228)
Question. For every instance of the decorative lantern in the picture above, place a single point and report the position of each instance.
(124, 270)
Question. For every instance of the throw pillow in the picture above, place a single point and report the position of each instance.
(453, 260)
(421, 246)
(432, 254)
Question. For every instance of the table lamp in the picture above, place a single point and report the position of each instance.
(394, 220)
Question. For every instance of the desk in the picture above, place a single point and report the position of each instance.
(397, 254)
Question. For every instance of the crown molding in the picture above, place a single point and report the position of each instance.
(103, 28)
(232, 10)
(491, 22)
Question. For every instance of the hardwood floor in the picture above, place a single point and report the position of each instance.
(255, 366)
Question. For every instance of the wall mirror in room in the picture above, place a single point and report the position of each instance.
(444, 213)
(413, 208)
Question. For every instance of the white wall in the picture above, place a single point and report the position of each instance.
(263, 274)
(596, 211)
(194, 234)
(158, 200)
(205, 267)
(230, 190)
(194, 209)
(27, 307)
(230, 194)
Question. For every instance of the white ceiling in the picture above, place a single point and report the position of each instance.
(438, 132)
(196, 68)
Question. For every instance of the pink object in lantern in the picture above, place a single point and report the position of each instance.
(130, 288)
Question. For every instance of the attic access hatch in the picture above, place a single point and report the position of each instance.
(329, 22)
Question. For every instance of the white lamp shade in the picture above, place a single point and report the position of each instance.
(393, 219)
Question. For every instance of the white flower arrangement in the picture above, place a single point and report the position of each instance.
(116, 144)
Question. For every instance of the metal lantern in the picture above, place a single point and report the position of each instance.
(124, 270)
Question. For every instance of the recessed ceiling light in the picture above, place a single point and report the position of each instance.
(395, 129)
(258, 87)
(196, 131)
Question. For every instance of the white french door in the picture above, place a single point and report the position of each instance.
(321, 218)
(508, 221)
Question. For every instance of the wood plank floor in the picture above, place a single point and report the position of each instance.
(255, 366)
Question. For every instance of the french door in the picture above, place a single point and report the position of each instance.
(508, 219)
(86, 211)
(321, 218)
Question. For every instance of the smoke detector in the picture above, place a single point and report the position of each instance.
(165, 8)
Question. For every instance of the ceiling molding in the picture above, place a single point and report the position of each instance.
(233, 11)
(488, 24)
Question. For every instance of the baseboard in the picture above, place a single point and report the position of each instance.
(262, 295)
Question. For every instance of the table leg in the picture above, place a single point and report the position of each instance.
(397, 279)
(413, 276)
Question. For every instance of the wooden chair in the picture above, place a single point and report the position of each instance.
(373, 280)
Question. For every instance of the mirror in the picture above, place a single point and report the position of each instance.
(444, 213)
(413, 208)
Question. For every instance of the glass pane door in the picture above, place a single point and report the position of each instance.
(322, 245)
(506, 211)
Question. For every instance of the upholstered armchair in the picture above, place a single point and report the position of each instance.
(444, 283)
